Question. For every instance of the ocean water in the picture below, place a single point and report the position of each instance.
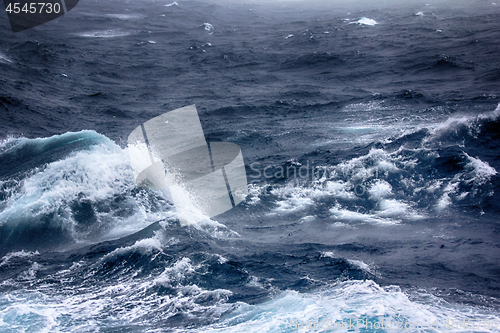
(371, 138)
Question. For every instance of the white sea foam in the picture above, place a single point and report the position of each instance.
(433, 187)
(338, 189)
(496, 113)
(476, 173)
(18, 254)
(362, 265)
(349, 215)
(172, 4)
(208, 26)
(482, 171)
(177, 272)
(3, 58)
(145, 246)
(308, 218)
(347, 302)
(328, 254)
(254, 192)
(393, 208)
(420, 14)
(365, 21)
(449, 124)
(126, 16)
(445, 199)
(110, 33)
(81, 310)
(98, 174)
(369, 268)
(30, 274)
(17, 308)
(295, 199)
(453, 123)
(350, 181)
(380, 189)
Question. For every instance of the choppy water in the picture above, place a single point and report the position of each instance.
(371, 138)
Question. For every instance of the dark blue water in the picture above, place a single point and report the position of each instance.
(371, 137)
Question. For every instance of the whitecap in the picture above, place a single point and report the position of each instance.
(496, 112)
(208, 26)
(18, 254)
(105, 33)
(30, 274)
(172, 4)
(380, 189)
(79, 309)
(328, 254)
(177, 272)
(348, 182)
(346, 303)
(365, 21)
(294, 198)
(361, 265)
(98, 174)
(445, 200)
(392, 208)
(145, 246)
(308, 218)
(482, 171)
(4, 58)
(341, 213)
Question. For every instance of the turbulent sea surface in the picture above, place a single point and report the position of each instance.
(371, 137)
